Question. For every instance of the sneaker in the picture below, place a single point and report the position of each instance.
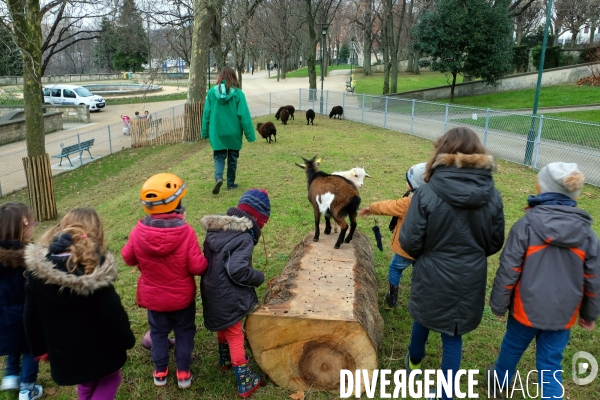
(217, 187)
(232, 187)
(10, 382)
(184, 379)
(160, 378)
(409, 366)
(36, 393)
(497, 392)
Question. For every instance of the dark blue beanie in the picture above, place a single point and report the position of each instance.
(256, 203)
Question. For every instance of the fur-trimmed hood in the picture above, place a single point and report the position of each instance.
(478, 161)
(45, 270)
(464, 180)
(11, 257)
(226, 223)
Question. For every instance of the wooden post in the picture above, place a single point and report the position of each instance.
(319, 316)
(192, 121)
(40, 186)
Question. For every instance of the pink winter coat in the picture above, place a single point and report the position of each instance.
(168, 258)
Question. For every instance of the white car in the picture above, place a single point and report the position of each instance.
(72, 95)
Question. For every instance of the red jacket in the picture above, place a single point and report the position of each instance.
(168, 257)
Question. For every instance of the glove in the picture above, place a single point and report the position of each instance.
(43, 357)
(377, 233)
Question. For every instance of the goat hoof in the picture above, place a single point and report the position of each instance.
(315, 239)
(347, 240)
(337, 246)
(327, 231)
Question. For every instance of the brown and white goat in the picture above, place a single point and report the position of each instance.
(333, 196)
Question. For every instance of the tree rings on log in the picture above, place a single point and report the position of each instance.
(319, 316)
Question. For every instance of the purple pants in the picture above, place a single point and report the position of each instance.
(101, 389)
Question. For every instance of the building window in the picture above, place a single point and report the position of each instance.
(586, 29)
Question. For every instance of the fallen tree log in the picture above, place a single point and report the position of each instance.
(319, 316)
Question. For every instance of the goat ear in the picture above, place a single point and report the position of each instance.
(301, 165)
(367, 175)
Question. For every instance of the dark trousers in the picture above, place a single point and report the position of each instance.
(28, 368)
(183, 323)
(232, 156)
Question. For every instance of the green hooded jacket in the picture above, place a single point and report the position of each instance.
(226, 116)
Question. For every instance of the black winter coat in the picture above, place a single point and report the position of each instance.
(453, 224)
(77, 319)
(12, 298)
(227, 287)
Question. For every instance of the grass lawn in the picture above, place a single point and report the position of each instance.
(588, 116)
(406, 82)
(569, 132)
(112, 184)
(550, 96)
(303, 72)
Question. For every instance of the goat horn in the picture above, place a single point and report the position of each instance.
(301, 166)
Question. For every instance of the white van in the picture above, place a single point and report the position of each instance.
(71, 94)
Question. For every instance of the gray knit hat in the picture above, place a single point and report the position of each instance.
(560, 177)
(415, 175)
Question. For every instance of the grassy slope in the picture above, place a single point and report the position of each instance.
(112, 185)
(303, 72)
(406, 82)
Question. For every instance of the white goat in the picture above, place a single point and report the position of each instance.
(355, 175)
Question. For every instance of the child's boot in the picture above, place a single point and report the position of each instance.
(247, 380)
(32, 393)
(391, 298)
(224, 357)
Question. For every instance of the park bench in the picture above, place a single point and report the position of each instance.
(73, 149)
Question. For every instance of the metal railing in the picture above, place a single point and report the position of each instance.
(505, 134)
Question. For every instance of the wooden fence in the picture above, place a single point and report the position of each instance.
(177, 129)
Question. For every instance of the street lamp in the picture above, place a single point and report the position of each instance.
(531, 134)
(324, 28)
(351, 56)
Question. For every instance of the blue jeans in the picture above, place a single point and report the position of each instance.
(28, 370)
(451, 350)
(397, 265)
(549, 349)
(219, 157)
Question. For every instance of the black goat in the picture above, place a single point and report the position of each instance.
(290, 109)
(310, 117)
(284, 115)
(267, 130)
(337, 110)
(333, 196)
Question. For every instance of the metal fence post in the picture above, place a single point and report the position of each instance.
(173, 112)
(412, 116)
(314, 95)
(79, 147)
(538, 141)
(385, 113)
(445, 119)
(327, 101)
(109, 139)
(487, 127)
(363, 109)
(300, 99)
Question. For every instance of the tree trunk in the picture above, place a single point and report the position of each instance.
(519, 29)
(574, 38)
(416, 70)
(411, 53)
(452, 88)
(216, 43)
(319, 316)
(311, 48)
(593, 28)
(395, 48)
(368, 40)
(28, 33)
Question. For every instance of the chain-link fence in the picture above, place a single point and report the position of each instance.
(520, 138)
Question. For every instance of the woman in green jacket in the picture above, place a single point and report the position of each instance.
(226, 116)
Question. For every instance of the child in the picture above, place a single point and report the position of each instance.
(228, 286)
(17, 224)
(397, 209)
(549, 273)
(165, 249)
(73, 313)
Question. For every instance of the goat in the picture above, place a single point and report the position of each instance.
(284, 115)
(310, 117)
(355, 175)
(290, 109)
(337, 110)
(333, 196)
(267, 130)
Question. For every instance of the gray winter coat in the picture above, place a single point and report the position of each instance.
(453, 224)
(228, 285)
(549, 269)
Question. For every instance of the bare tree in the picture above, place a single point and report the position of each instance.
(528, 16)
(575, 14)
